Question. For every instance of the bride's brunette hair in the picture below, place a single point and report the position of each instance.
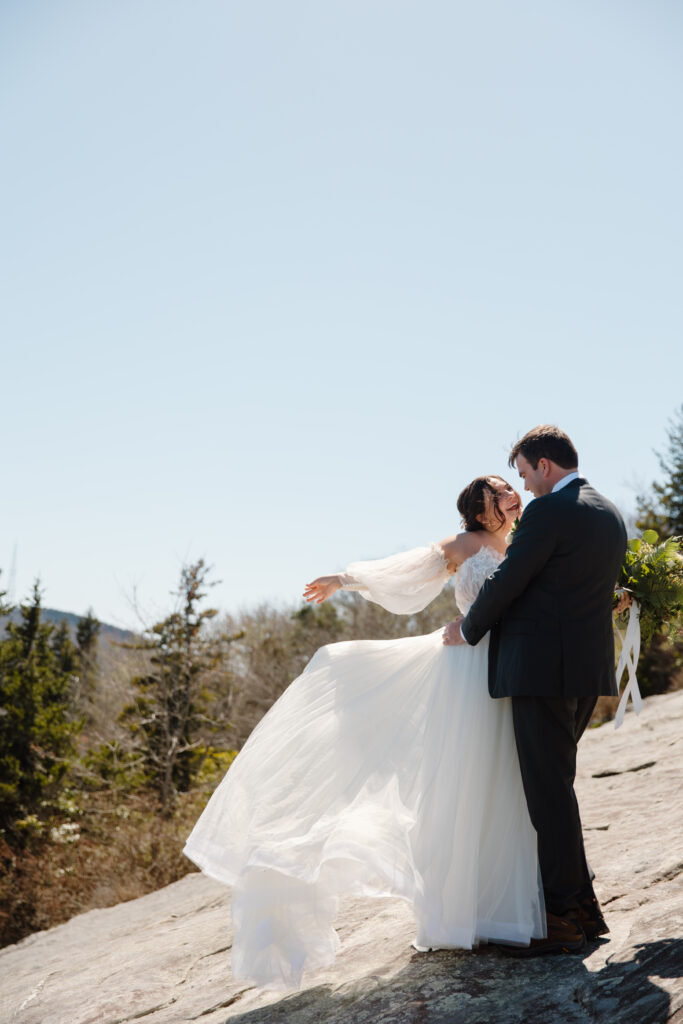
(472, 503)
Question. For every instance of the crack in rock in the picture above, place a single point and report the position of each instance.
(215, 952)
(622, 771)
(210, 905)
(222, 1005)
(198, 960)
(33, 995)
(667, 875)
(145, 1013)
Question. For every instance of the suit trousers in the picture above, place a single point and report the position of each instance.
(547, 730)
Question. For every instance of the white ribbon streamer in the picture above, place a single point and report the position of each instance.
(628, 659)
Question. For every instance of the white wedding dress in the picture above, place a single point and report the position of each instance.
(385, 769)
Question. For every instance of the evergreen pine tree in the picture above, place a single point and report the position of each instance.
(169, 717)
(64, 649)
(87, 642)
(87, 634)
(662, 508)
(36, 730)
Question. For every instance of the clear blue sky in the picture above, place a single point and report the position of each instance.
(280, 276)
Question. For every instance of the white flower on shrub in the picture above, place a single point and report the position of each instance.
(69, 832)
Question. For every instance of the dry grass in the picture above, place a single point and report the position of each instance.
(123, 850)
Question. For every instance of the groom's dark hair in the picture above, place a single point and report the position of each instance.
(545, 442)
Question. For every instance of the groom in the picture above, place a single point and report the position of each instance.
(549, 610)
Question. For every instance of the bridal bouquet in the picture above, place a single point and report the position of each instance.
(653, 575)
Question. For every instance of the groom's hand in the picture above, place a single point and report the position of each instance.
(452, 637)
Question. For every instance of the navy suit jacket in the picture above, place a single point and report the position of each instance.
(549, 604)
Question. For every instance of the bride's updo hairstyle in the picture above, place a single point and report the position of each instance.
(472, 503)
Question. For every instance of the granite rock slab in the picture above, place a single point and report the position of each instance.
(165, 958)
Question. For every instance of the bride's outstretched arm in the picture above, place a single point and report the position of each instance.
(403, 583)
(318, 590)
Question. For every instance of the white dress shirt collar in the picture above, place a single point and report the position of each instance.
(565, 480)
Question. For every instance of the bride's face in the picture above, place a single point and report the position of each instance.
(508, 501)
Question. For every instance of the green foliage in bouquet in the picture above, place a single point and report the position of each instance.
(653, 574)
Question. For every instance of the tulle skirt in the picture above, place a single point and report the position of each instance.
(385, 769)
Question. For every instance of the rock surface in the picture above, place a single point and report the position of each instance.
(164, 958)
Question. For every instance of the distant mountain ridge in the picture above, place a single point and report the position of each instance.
(112, 634)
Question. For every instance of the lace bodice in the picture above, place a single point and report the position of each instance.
(470, 576)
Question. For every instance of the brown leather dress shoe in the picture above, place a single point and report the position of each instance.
(564, 936)
(591, 919)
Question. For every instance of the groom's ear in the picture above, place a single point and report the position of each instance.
(545, 465)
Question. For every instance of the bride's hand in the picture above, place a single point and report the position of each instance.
(452, 637)
(321, 588)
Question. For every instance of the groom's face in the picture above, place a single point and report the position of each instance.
(535, 480)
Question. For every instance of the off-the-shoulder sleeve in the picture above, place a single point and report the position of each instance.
(403, 583)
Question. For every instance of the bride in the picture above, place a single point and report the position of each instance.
(385, 769)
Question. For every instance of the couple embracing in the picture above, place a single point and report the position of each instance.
(436, 768)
